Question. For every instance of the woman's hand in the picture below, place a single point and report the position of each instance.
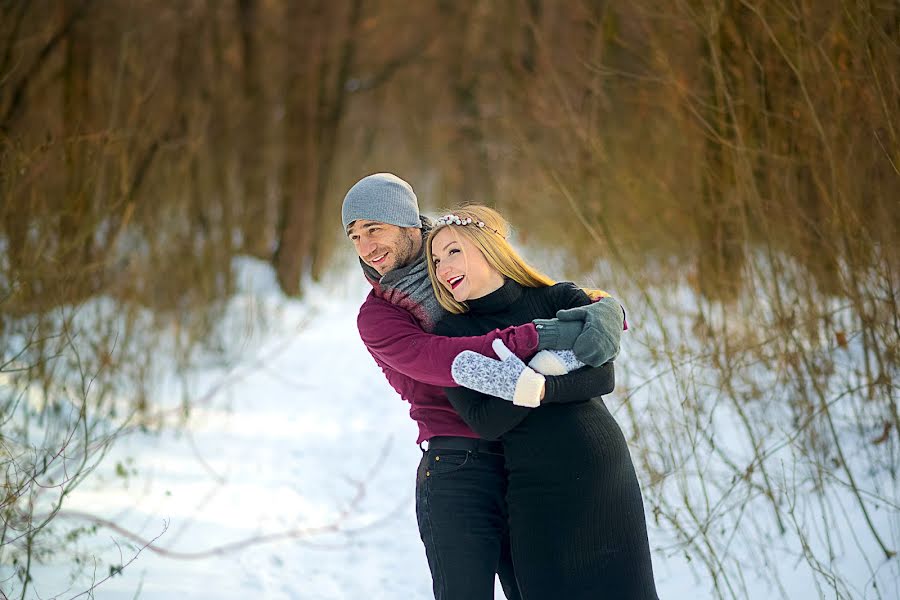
(555, 362)
(508, 378)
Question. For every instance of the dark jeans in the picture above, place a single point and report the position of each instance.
(461, 509)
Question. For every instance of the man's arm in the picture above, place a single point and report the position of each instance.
(394, 337)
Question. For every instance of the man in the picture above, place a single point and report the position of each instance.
(461, 482)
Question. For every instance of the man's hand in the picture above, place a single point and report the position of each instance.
(593, 331)
(507, 378)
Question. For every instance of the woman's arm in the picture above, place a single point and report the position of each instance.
(488, 416)
(491, 417)
(603, 322)
(584, 383)
(580, 385)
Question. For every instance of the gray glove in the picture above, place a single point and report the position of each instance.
(507, 378)
(554, 334)
(596, 343)
(555, 362)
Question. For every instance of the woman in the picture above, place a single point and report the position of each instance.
(576, 516)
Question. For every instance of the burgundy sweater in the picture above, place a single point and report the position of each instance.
(417, 364)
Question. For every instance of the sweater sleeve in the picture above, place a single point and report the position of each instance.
(580, 385)
(491, 417)
(487, 416)
(393, 336)
(567, 295)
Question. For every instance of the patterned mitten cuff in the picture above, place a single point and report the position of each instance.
(529, 389)
(555, 362)
(509, 378)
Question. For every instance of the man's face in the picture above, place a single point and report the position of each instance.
(382, 246)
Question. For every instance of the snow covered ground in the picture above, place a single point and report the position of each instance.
(294, 479)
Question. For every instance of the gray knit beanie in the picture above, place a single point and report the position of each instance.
(381, 197)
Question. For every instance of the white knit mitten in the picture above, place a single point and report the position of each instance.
(555, 362)
(507, 378)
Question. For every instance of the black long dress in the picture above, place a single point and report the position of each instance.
(576, 515)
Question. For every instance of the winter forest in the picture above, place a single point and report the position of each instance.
(186, 408)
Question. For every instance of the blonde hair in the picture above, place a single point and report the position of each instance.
(491, 241)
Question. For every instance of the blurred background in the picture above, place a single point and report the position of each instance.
(730, 169)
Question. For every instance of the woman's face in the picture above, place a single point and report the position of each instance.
(461, 267)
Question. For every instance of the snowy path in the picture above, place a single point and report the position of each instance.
(306, 435)
(311, 438)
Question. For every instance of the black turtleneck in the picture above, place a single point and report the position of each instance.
(513, 304)
(565, 454)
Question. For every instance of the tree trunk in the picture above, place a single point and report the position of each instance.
(314, 109)
(471, 178)
(305, 50)
(254, 127)
(77, 223)
(721, 257)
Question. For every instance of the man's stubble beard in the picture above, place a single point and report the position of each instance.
(409, 253)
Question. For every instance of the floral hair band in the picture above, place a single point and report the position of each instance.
(451, 219)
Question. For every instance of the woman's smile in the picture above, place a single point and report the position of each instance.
(455, 281)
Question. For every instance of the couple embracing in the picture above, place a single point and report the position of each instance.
(524, 473)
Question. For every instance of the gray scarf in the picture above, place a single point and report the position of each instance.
(409, 287)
